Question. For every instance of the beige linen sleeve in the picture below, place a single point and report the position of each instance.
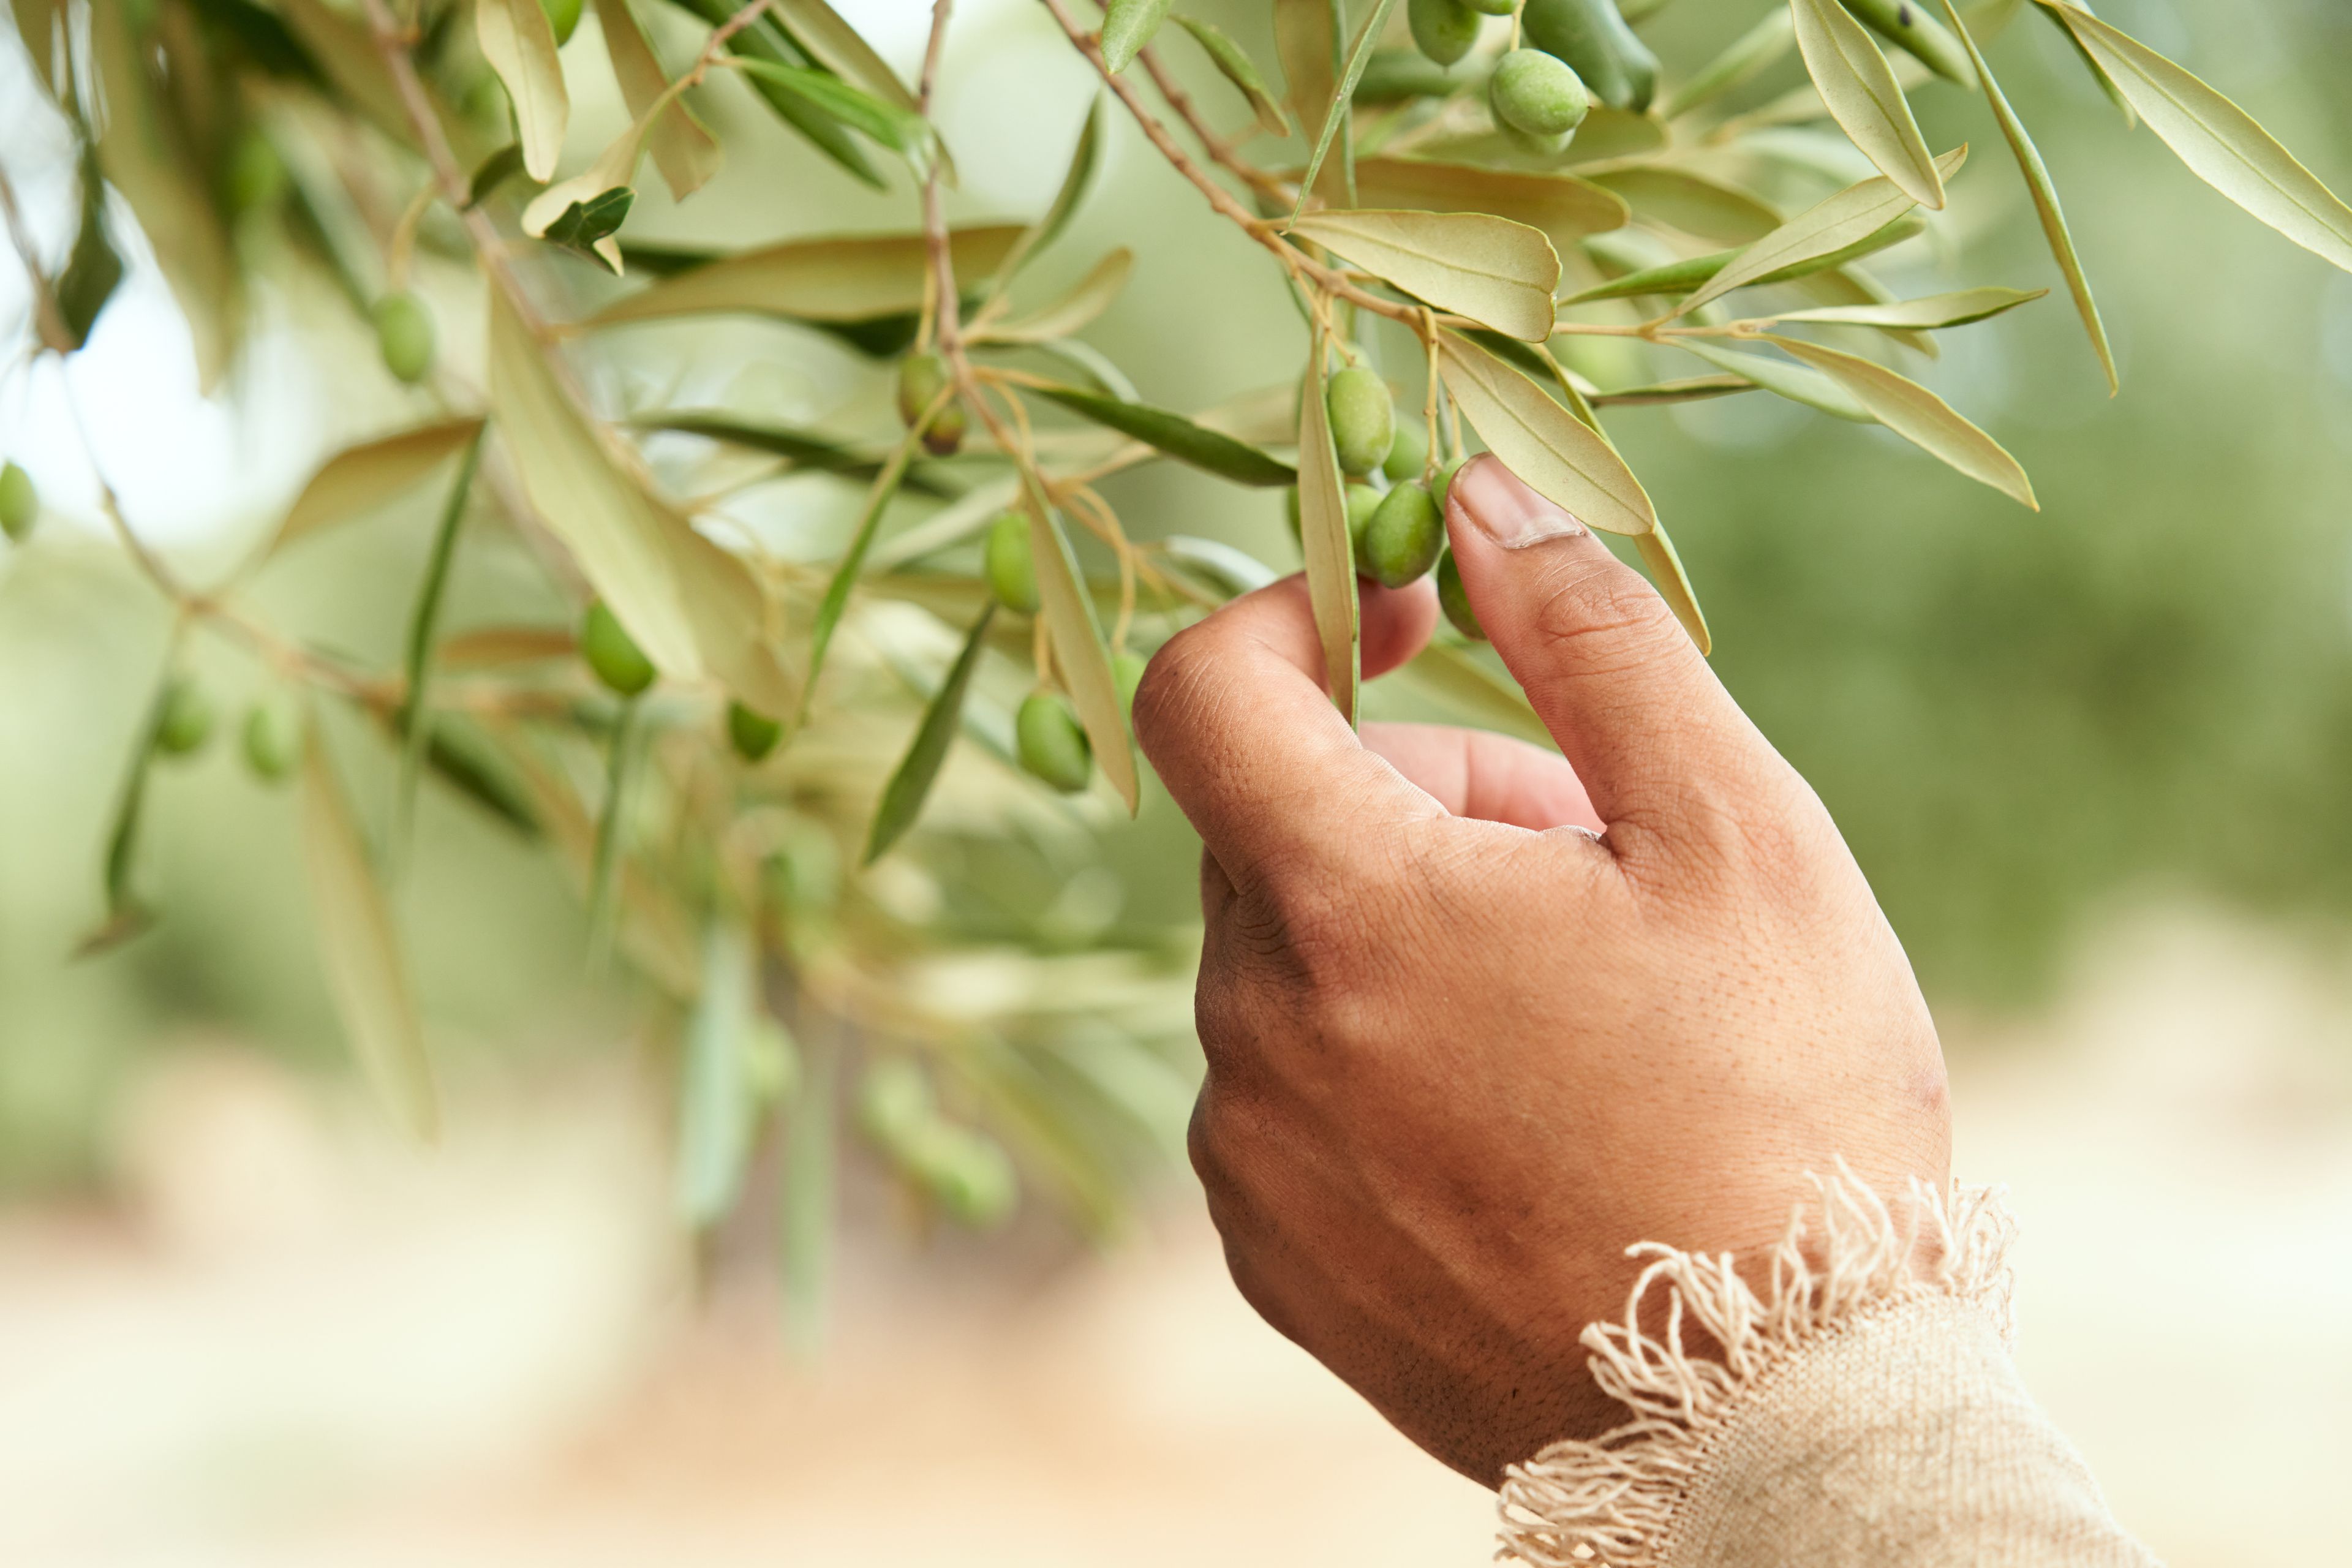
(1861, 1411)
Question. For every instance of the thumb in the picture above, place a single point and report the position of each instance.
(1655, 738)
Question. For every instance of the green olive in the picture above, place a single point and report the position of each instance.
(273, 739)
(1011, 569)
(1363, 419)
(254, 176)
(1408, 452)
(1052, 744)
(1401, 540)
(1492, 8)
(1443, 30)
(186, 721)
(1537, 94)
(1362, 501)
(1127, 667)
(563, 15)
(404, 335)
(612, 653)
(1454, 600)
(1593, 39)
(1443, 488)
(922, 379)
(752, 735)
(20, 503)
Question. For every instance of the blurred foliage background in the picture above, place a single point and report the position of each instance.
(2013, 717)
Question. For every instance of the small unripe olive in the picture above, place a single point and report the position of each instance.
(273, 739)
(1011, 569)
(752, 735)
(1360, 499)
(1441, 29)
(1492, 8)
(1363, 419)
(1615, 65)
(612, 653)
(1408, 453)
(186, 722)
(1455, 601)
(1443, 488)
(563, 15)
(255, 176)
(1401, 540)
(1534, 93)
(921, 378)
(1052, 744)
(1127, 667)
(404, 335)
(20, 503)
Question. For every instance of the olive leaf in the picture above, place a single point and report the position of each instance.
(910, 781)
(423, 621)
(1780, 378)
(1238, 69)
(1959, 308)
(1341, 112)
(1178, 437)
(127, 914)
(1691, 202)
(1090, 298)
(1086, 158)
(1323, 538)
(684, 152)
(1078, 653)
(2082, 52)
(343, 48)
(358, 479)
(693, 608)
(366, 973)
(1489, 269)
(1824, 229)
(2045, 200)
(93, 268)
(1565, 207)
(1305, 46)
(902, 130)
(801, 448)
(38, 23)
(765, 41)
(836, 46)
(491, 172)
(805, 1205)
(1919, 416)
(715, 1105)
(1231, 571)
(2220, 142)
(1863, 96)
(588, 227)
(1673, 584)
(1545, 444)
(519, 42)
(1464, 686)
(1689, 389)
(1128, 26)
(853, 561)
(1746, 57)
(1907, 23)
(845, 278)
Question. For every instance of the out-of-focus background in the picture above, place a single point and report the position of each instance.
(2095, 763)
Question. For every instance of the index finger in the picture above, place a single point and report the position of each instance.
(1234, 718)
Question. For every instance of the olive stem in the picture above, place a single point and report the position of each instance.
(1219, 148)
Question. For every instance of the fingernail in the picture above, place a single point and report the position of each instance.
(1505, 508)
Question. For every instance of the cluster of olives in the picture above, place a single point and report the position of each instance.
(921, 378)
(1578, 52)
(618, 664)
(1047, 737)
(1399, 532)
(271, 738)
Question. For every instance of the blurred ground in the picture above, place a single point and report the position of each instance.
(289, 1344)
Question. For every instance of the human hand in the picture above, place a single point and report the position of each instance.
(1478, 1016)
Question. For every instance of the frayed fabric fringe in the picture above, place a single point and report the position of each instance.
(1611, 1502)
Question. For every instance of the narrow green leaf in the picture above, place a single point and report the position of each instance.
(1781, 379)
(1323, 537)
(2089, 62)
(1234, 62)
(685, 153)
(1342, 93)
(1906, 24)
(1489, 269)
(366, 973)
(836, 46)
(853, 561)
(1565, 207)
(519, 42)
(1073, 311)
(2220, 142)
(358, 479)
(844, 278)
(765, 41)
(910, 783)
(1919, 416)
(1233, 571)
(1691, 203)
(1954, 309)
(1178, 437)
(1128, 26)
(424, 620)
(901, 131)
(1085, 159)
(1748, 55)
(1305, 46)
(1673, 584)
(802, 448)
(805, 1207)
(493, 172)
(714, 1107)
(1545, 444)
(1691, 389)
(1863, 96)
(1078, 652)
(2045, 202)
(127, 914)
(1824, 229)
